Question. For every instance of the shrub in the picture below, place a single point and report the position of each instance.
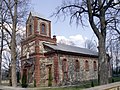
(18, 77)
(92, 84)
(50, 79)
(24, 81)
(112, 80)
(34, 83)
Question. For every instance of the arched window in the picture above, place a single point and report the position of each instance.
(30, 29)
(86, 65)
(94, 65)
(77, 66)
(65, 70)
(64, 65)
(43, 28)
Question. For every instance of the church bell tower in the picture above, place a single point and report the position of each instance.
(38, 31)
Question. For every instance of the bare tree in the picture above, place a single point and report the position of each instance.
(14, 13)
(7, 65)
(117, 54)
(1, 36)
(90, 45)
(113, 47)
(102, 15)
(2, 14)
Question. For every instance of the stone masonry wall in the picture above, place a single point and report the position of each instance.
(45, 62)
(73, 76)
(82, 75)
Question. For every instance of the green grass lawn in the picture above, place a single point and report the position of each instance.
(85, 84)
(66, 88)
(114, 79)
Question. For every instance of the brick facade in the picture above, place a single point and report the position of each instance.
(56, 69)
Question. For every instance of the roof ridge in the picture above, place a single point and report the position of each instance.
(77, 47)
(72, 49)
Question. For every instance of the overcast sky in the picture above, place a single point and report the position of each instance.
(62, 29)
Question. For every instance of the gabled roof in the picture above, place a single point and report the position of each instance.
(71, 49)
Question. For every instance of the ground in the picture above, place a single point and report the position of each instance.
(87, 84)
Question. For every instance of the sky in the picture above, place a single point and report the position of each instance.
(62, 29)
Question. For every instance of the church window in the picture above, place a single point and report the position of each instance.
(86, 65)
(77, 66)
(95, 65)
(64, 65)
(43, 28)
(30, 29)
(65, 69)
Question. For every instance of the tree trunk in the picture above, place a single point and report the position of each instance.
(0, 69)
(102, 63)
(1, 56)
(2, 34)
(13, 47)
(10, 80)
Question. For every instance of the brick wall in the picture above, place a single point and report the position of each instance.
(56, 69)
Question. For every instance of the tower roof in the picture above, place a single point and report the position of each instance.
(39, 15)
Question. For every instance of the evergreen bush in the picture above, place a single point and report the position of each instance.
(92, 84)
(24, 81)
(112, 80)
(50, 79)
(34, 83)
(18, 77)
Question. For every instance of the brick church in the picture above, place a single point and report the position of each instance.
(48, 63)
